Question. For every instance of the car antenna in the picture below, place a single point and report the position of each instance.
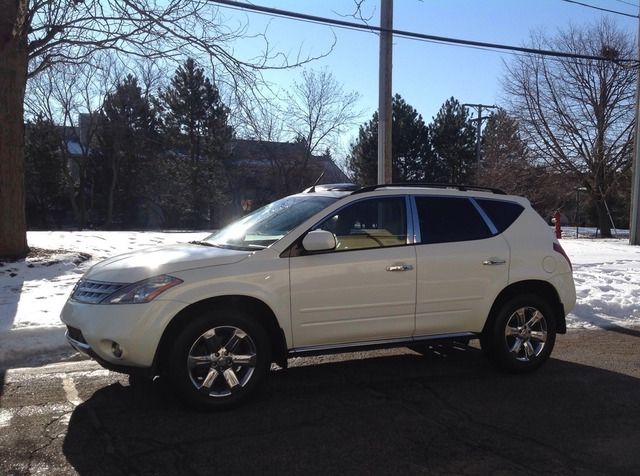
(313, 187)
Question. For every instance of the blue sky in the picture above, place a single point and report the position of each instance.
(425, 74)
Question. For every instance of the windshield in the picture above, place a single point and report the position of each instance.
(268, 224)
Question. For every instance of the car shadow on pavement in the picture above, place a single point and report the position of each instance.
(448, 412)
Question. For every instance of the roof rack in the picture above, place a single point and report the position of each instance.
(333, 187)
(462, 188)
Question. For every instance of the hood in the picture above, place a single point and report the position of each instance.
(143, 264)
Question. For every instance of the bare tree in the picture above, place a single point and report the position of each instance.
(578, 115)
(314, 113)
(69, 96)
(261, 118)
(152, 76)
(506, 164)
(37, 34)
(319, 112)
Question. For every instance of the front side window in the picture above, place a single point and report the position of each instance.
(372, 223)
(449, 219)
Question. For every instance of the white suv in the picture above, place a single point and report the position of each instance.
(333, 268)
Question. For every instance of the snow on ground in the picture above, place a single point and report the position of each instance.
(33, 291)
(607, 277)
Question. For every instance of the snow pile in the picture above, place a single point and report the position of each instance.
(33, 291)
(607, 277)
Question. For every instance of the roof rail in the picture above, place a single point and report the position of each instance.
(462, 188)
(333, 187)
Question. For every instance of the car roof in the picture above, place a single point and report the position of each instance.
(343, 190)
(439, 186)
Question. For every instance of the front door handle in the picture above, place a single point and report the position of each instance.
(493, 261)
(400, 267)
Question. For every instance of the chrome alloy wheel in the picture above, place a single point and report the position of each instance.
(221, 361)
(526, 333)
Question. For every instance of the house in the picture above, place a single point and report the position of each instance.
(257, 172)
(261, 171)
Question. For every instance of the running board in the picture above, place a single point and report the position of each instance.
(376, 344)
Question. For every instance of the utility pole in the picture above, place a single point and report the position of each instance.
(634, 226)
(384, 95)
(479, 120)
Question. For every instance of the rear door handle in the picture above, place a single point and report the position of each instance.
(493, 261)
(400, 267)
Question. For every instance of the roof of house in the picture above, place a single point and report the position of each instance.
(262, 153)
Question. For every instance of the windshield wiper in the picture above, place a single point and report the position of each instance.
(202, 243)
(247, 247)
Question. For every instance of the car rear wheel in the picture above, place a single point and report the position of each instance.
(219, 359)
(521, 334)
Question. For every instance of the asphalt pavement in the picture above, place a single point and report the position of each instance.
(382, 412)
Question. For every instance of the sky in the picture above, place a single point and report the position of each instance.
(425, 74)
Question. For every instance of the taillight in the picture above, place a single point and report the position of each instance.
(558, 248)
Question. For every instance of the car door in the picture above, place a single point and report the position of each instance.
(462, 265)
(364, 289)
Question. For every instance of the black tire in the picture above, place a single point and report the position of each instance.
(219, 359)
(521, 334)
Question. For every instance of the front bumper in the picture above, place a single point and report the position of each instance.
(86, 350)
(135, 328)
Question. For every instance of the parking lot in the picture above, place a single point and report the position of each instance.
(368, 413)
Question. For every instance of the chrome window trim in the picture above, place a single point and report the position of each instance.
(485, 217)
(415, 219)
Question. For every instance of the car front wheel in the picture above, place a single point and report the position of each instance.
(521, 334)
(219, 359)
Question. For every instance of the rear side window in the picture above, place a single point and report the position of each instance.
(449, 219)
(501, 213)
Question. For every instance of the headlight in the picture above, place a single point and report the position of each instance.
(143, 291)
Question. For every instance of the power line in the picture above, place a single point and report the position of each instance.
(600, 8)
(361, 27)
(410, 34)
(627, 3)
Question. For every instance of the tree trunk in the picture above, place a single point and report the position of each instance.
(112, 192)
(82, 193)
(13, 79)
(603, 219)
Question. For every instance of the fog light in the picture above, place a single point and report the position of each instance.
(116, 350)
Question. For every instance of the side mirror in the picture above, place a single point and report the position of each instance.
(319, 240)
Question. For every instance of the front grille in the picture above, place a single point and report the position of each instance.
(93, 292)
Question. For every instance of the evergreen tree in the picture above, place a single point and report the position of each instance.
(412, 158)
(44, 174)
(454, 142)
(504, 154)
(128, 136)
(197, 125)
